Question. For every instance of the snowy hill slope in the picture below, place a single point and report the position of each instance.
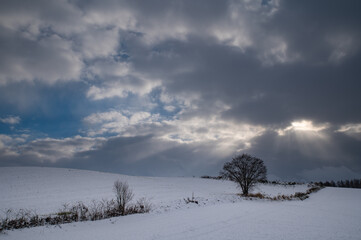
(332, 213)
(45, 190)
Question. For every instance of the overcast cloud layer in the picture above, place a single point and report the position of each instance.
(176, 88)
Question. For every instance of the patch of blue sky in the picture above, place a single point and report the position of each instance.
(57, 111)
(160, 107)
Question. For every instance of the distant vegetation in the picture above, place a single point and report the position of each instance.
(354, 183)
(212, 177)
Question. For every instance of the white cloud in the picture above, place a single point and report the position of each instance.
(233, 31)
(169, 108)
(122, 87)
(8, 144)
(233, 36)
(10, 120)
(111, 116)
(118, 122)
(184, 100)
(139, 117)
(353, 130)
(96, 93)
(4, 140)
(224, 135)
(239, 28)
(165, 97)
(119, 80)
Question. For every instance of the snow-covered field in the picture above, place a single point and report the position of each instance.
(45, 190)
(332, 213)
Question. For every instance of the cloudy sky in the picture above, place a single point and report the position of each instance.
(177, 88)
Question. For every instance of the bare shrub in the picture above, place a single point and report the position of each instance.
(188, 200)
(81, 211)
(191, 200)
(123, 195)
(23, 218)
(144, 205)
(257, 195)
(313, 189)
(301, 195)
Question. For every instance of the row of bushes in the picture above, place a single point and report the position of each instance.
(297, 195)
(79, 212)
(280, 183)
(260, 181)
(212, 177)
(75, 213)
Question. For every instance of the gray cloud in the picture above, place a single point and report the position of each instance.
(48, 60)
(140, 155)
(255, 92)
(203, 73)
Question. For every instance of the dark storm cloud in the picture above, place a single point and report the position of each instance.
(312, 86)
(266, 95)
(307, 25)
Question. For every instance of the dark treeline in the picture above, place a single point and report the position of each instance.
(355, 183)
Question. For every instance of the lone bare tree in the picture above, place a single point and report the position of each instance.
(123, 195)
(245, 170)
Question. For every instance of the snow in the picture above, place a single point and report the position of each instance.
(332, 213)
(45, 190)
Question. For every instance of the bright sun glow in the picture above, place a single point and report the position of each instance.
(303, 125)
